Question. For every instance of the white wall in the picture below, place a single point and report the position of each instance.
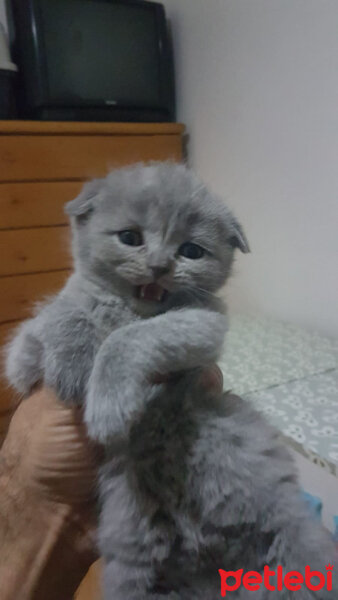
(258, 90)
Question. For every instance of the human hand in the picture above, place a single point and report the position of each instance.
(48, 447)
(47, 501)
(47, 492)
(211, 379)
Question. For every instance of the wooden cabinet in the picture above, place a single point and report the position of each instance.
(42, 166)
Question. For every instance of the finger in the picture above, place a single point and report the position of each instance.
(212, 379)
(57, 457)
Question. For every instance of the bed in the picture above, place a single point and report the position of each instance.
(291, 376)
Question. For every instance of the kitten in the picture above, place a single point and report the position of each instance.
(192, 482)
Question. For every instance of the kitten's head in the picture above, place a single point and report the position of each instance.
(154, 233)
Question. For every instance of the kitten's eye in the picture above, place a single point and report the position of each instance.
(130, 237)
(190, 250)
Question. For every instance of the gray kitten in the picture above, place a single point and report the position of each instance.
(192, 482)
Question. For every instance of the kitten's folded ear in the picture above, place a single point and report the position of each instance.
(238, 238)
(83, 204)
(235, 235)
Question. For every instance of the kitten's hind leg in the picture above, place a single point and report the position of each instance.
(132, 540)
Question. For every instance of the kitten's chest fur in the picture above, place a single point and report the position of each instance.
(106, 311)
(107, 317)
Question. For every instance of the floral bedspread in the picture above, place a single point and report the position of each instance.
(290, 375)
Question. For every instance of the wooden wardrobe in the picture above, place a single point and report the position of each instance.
(42, 166)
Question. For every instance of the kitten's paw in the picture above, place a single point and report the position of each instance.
(111, 404)
(193, 338)
(211, 331)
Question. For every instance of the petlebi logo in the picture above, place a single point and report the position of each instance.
(276, 580)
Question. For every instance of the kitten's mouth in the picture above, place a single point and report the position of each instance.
(152, 292)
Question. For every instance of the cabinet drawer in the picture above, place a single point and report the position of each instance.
(59, 157)
(5, 332)
(19, 293)
(34, 250)
(35, 204)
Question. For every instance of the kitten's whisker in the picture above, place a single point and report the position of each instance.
(197, 293)
(200, 290)
(197, 190)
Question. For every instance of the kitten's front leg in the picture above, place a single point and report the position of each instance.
(69, 355)
(120, 383)
(24, 357)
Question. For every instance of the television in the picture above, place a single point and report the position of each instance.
(92, 60)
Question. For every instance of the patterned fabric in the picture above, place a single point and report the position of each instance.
(291, 376)
(260, 353)
(306, 411)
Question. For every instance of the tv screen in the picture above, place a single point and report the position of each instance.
(101, 51)
(94, 59)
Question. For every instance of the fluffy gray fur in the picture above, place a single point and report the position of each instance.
(191, 482)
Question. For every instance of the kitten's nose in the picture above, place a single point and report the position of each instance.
(159, 271)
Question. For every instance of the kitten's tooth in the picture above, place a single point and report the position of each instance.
(142, 291)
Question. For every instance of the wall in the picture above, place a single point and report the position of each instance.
(258, 90)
